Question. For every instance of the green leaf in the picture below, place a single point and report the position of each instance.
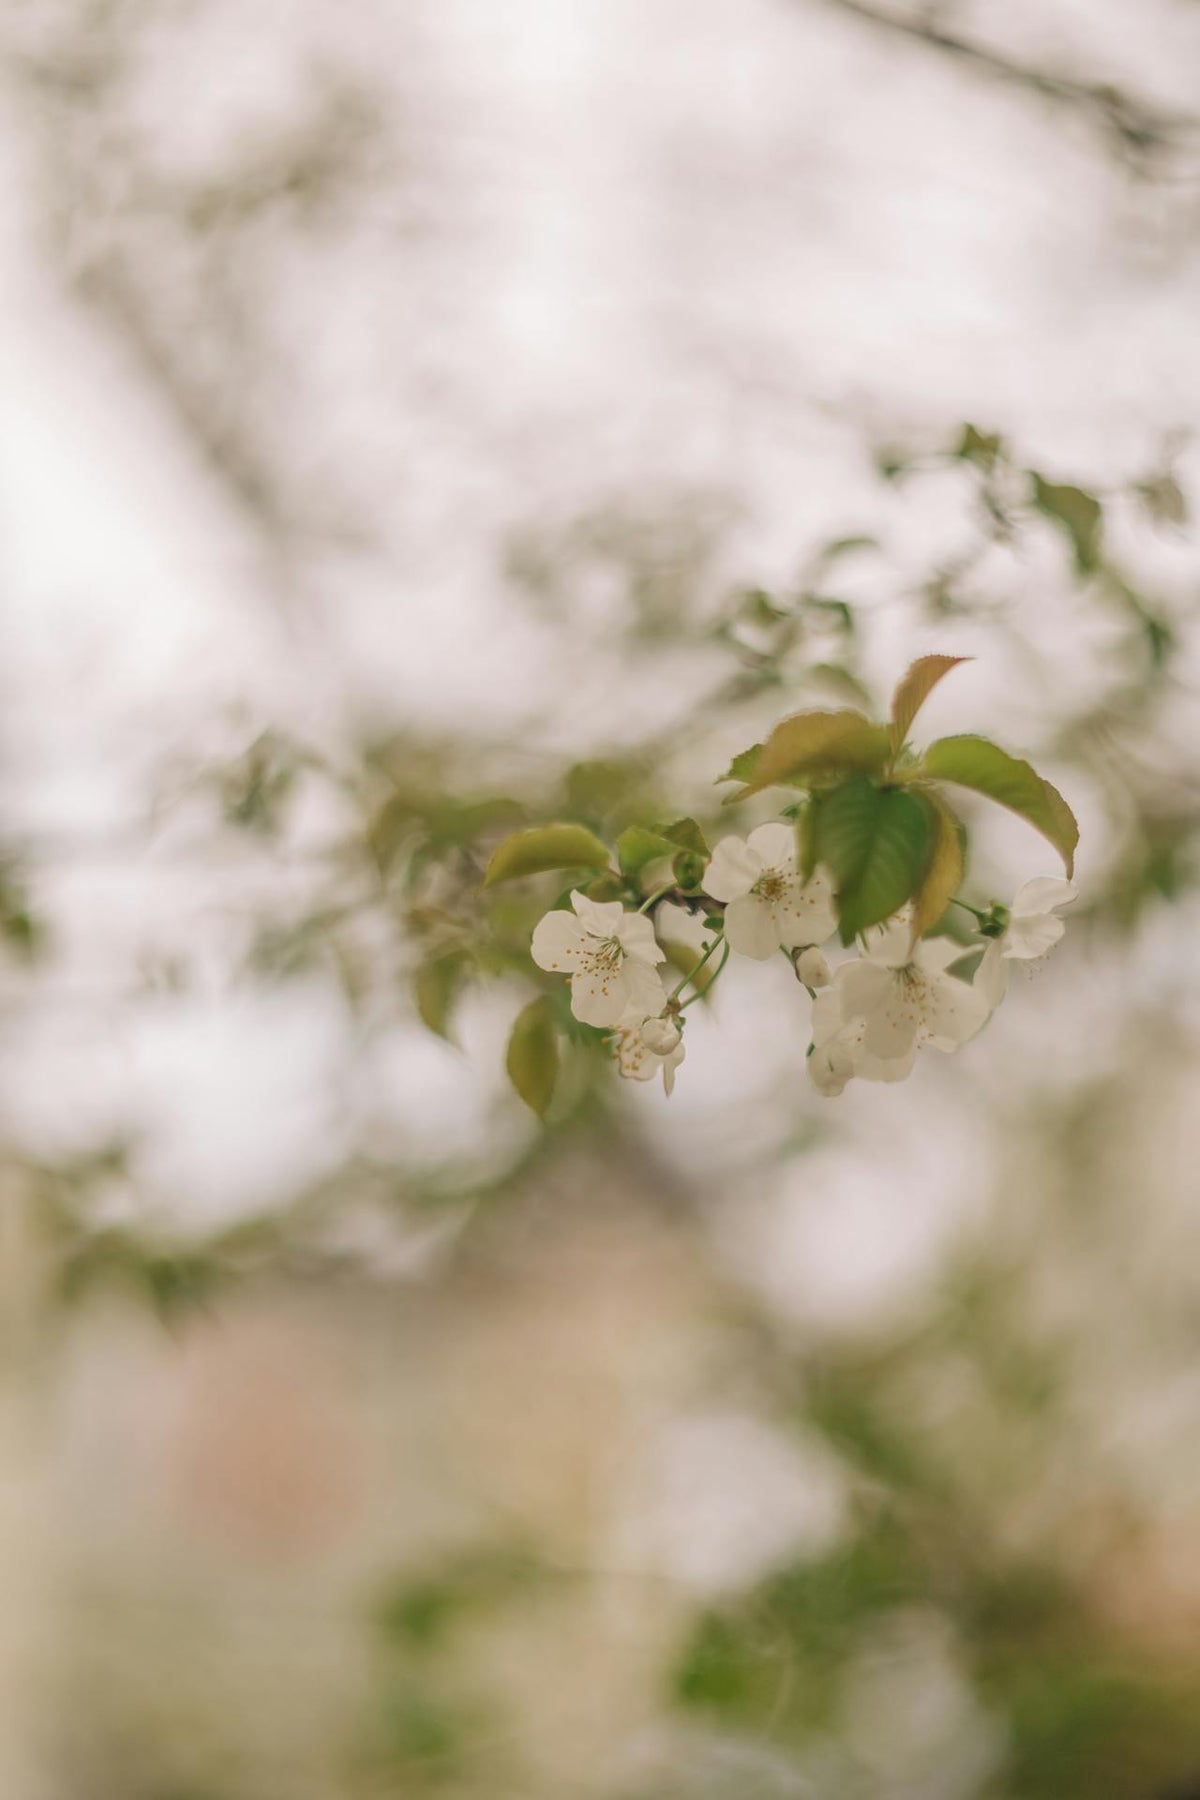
(914, 688)
(1078, 513)
(545, 847)
(688, 835)
(636, 847)
(943, 875)
(975, 762)
(436, 986)
(743, 766)
(981, 447)
(532, 1058)
(816, 744)
(877, 843)
(607, 886)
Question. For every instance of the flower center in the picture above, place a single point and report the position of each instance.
(604, 956)
(912, 993)
(771, 886)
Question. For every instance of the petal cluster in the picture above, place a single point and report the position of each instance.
(768, 905)
(610, 955)
(883, 1006)
(645, 1046)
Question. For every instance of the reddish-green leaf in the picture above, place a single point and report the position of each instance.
(975, 762)
(814, 745)
(914, 689)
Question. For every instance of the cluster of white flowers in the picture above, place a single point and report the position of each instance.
(870, 1014)
(612, 958)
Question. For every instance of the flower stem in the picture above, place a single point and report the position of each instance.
(973, 910)
(652, 898)
(700, 992)
(692, 973)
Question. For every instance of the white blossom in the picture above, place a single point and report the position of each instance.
(767, 902)
(1033, 928)
(644, 1046)
(882, 1006)
(610, 956)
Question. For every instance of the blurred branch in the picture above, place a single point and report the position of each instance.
(1140, 131)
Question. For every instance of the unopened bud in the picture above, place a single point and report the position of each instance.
(812, 968)
(660, 1036)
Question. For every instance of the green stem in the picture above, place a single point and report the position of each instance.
(700, 993)
(973, 910)
(692, 973)
(650, 901)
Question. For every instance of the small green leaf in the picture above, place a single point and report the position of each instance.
(943, 876)
(688, 835)
(532, 1058)
(981, 447)
(688, 869)
(914, 688)
(743, 766)
(605, 887)
(818, 744)
(545, 847)
(636, 847)
(1078, 513)
(877, 843)
(436, 986)
(975, 762)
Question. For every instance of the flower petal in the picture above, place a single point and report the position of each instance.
(559, 940)
(774, 845)
(600, 917)
(732, 871)
(825, 1070)
(669, 1066)
(954, 1011)
(895, 1028)
(1042, 895)
(751, 928)
(599, 997)
(991, 977)
(886, 1068)
(635, 1061)
(1030, 937)
(635, 934)
(805, 913)
(661, 1036)
(827, 1014)
(933, 956)
(642, 987)
(863, 987)
(891, 945)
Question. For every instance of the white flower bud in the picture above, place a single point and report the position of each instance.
(812, 968)
(660, 1036)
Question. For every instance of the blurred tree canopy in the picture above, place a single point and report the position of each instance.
(996, 1621)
